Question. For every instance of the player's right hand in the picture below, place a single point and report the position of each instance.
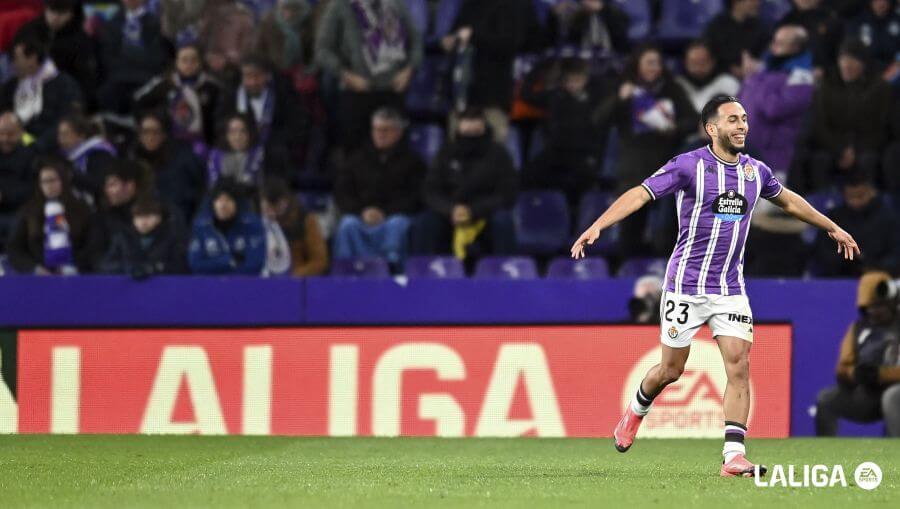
(587, 238)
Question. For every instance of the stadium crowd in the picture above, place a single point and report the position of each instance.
(284, 137)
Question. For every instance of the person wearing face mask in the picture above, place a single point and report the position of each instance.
(868, 369)
(52, 231)
(653, 116)
(467, 189)
(187, 93)
(149, 245)
(849, 120)
(60, 29)
(868, 218)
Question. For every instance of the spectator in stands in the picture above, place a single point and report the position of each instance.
(240, 155)
(378, 190)
(467, 190)
(823, 27)
(874, 224)
(227, 32)
(272, 106)
(702, 79)
(286, 35)
(573, 146)
(228, 237)
(121, 188)
(151, 244)
(52, 232)
(61, 30)
(879, 29)
(133, 52)
(294, 242)
(496, 30)
(590, 24)
(653, 116)
(82, 144)
(868, 368)
(372, 47)
(188, 94)
(180, 19)
(176, 173)
(775, 247)
(850, 119)
(776, 94)
(39, 94)
(16, 179)
(735, 31)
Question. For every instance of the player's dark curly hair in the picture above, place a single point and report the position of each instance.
(711, 108)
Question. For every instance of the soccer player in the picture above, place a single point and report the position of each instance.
(716, 188)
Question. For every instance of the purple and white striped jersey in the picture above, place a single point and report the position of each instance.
(714, 201)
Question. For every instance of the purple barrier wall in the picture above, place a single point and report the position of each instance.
(819, 310)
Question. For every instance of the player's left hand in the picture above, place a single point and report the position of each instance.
(846, 245)
(587, 238)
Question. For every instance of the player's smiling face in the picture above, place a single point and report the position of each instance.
(731, 127)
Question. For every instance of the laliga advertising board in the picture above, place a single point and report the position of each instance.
(386, 381)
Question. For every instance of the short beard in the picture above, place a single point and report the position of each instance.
(726, 145)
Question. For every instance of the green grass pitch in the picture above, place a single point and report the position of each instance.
(176, 472)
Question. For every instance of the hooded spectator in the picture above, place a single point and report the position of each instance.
(228, 237)
(89, 152)
(150, 245)
(39, 93)
(52, 232)
(188, 94)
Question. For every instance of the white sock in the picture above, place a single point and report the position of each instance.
(637, 406)
(732, 449)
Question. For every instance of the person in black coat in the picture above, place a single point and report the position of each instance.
(80, 141)
(872, 223)
(590, 24)
(735, 31)
(133, 51)
(16, 178)
(152, 244)
(377, 190)
(472, 179)
(823, 26)
(61, 29)
(188, 94)
(653, 116)
(39, 94)
(573, 139)
(175, 173)
(879, 29)
(123, 184)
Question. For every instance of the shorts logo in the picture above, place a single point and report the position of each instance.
(748, 173)
(729, 206)
(734, 317)
(673, 332)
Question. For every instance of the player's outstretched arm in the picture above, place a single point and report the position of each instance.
(795, 205)
(625, 205)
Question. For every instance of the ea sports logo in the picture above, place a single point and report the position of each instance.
(868, 475)
(690, 407)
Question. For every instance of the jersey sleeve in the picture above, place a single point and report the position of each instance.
(673, 176)
(771, 187)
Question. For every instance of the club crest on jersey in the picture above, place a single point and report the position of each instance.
(748, 173)
(729, 206)
(673, 332)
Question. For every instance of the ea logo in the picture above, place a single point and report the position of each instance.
(690, 407)
(868, 475)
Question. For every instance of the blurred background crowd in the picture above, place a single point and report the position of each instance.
(428, 137)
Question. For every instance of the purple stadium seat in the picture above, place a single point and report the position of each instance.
(434, 267)
(444, 17)
(424, 96)
(593, 203)
(681, 20)
(565, 267)
(639, 17)
(506, 267)
(418, 12)
(541, 221)
(360, 267)
(770, 11)
(637, 267)
(514, 146)
(426, 140)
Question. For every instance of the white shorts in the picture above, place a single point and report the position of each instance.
(681, 316)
